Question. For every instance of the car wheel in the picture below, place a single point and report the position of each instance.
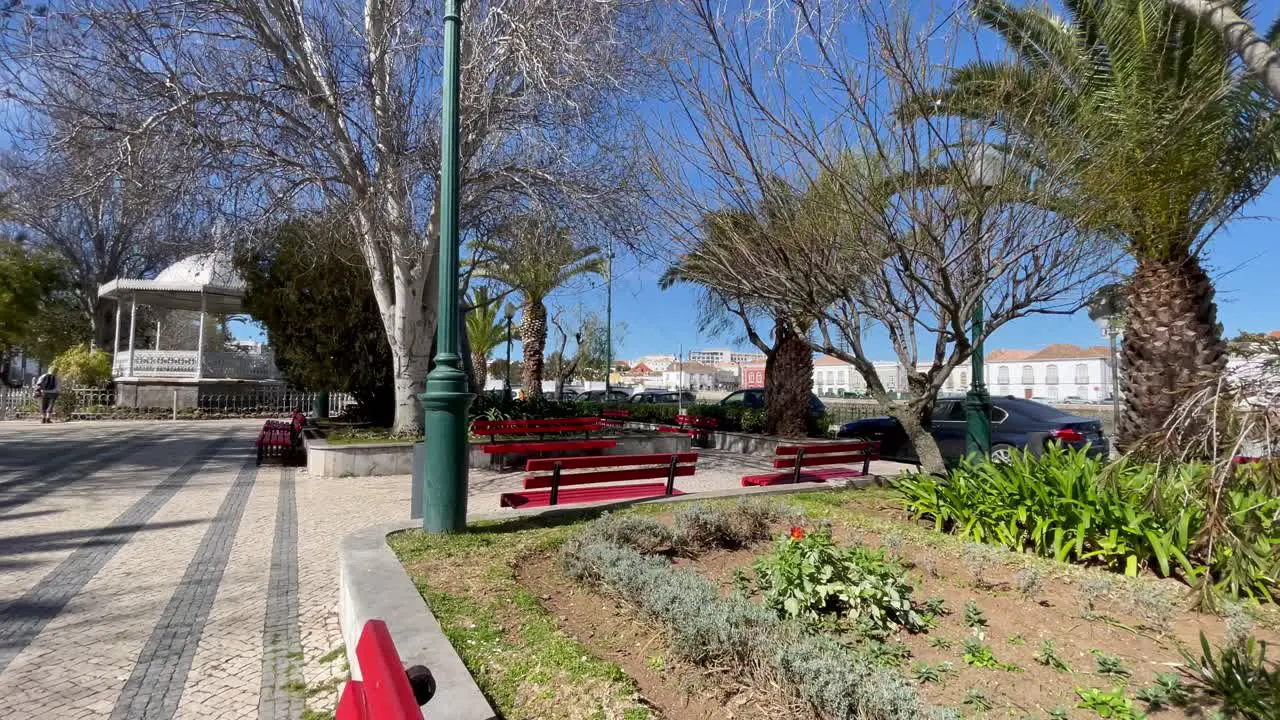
(1001, 454)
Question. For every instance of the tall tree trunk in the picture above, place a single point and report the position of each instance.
(104, 324)
(533, 337)
(1261, 59)
(479, 370)
(787, 402)
(1172, 343)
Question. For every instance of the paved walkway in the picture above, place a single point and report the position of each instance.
(149, 570)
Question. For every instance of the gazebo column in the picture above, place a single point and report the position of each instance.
(115, 351)
(200, 340)
(133, 324)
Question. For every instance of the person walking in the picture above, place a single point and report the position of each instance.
(47, 389)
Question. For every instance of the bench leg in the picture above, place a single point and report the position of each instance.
(795, 475)
(866, 465)
(671, 475)
(555, 483)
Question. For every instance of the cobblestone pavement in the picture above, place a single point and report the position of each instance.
(149, 570)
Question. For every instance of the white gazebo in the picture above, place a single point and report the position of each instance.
(155, 378)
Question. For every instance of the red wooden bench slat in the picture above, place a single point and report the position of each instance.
(697, 421)
(608, 461)
(785, 478)
(616, 413)
(586, 494)
(818, 448)
(383, 692)
(671, 429)
(541, 430)
(534, 423)
(811, 460)
(564, 445)
(533, 482)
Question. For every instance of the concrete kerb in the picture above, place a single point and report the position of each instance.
(373, 584)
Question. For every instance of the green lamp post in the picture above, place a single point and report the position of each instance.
(448, 396)
(985, 168)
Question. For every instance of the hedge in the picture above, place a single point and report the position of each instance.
(731, 418)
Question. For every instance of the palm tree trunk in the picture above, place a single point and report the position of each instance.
(789, 380)
(533, 336)
(1172, 343)
(479, 370)
(1261, 59)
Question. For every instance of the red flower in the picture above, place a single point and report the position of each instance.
(797, 533)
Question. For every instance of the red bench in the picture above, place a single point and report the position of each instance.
(281, 439)
(795, 461)
(549, 473)
(614, 418)
(545, 426)
(386, 691)
(697, 427)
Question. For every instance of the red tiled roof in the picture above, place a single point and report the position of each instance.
(1008, 355)
(828, 361)
(1274, 334)
(1064, 351)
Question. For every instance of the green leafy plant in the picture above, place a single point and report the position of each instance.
(979, 655)
(807, 577)
(1057, 713)
(977, 700)
(1239, 675)
(1048, 656)
(1108, 704)
(973, 615)
(1167, 690)
(1110, 665)
(926, 673)
(936, 606)
(937, 641)
(887, 654)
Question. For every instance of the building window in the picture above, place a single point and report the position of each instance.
(1028, 375)
(1002, 375)
(1003, 390)
(1053, 392)
(1051, 375)
(1082, 391)
(964, 379)
(1082, 374)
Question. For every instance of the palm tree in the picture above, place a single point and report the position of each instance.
(534, 255)
(788, 359)
(1164, 140)
(485, 332)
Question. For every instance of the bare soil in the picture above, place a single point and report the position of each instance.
(1082, 612)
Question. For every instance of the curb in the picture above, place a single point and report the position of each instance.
(373, 584)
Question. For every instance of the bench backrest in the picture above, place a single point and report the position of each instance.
(697, 421)
(540, 422)
(616, 413)
(826, 454)
(607, 468)
(384, 692)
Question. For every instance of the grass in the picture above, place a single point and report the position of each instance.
(367, 436)
(526, 666)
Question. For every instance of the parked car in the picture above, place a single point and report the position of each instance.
(663, 396)
(1073, 400)
(1015, 423)
(598, 396)
(754, 398)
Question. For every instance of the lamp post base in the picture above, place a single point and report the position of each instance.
(977, 414)
(445, 404)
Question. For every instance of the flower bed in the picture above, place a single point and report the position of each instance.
(691, 612)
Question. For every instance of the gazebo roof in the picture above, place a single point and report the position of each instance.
(181, 285)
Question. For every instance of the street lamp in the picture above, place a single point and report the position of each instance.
(509, 312)
(986, 168)
(447, 397)
(1106, 310)
(608, 321)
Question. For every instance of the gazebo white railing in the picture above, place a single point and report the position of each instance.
(194, 364)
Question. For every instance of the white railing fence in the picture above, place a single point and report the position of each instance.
(182, 364)
(99, 403)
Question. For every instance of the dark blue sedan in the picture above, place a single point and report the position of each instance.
(1015, 423)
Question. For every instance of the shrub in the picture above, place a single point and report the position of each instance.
(699, 527)
(81, 366)
(808, 578)
(705, 628)
(638, 532)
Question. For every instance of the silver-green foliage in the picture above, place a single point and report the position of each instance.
(701, 527)
(706, 628)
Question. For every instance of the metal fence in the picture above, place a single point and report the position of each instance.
(100, 403)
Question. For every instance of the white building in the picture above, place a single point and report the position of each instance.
(724, 356)
(657, 363)
(1056, 372)
(728, 375)
(833, 377)
(689, 376)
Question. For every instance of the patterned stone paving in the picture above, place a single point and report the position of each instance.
(150, 571)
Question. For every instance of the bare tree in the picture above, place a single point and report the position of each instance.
(880, 220)
(338, 102)
(561, 365)
(102, 223)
